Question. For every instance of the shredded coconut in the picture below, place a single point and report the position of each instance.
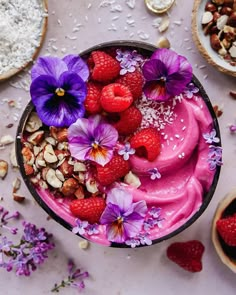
(160, 4)
(20, 32)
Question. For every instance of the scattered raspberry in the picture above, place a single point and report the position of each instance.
(89, 209)
(104, 68)
(129, 121)
(134, 81)
(92, 100)
(226, 228)
(113, 170)
(146, 142)
(116, 98)
(187, 255)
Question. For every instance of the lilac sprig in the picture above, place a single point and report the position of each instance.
(31, 250)
(83, 227)
(6, 217)
(232, 128)
(129, 60)
(75, 278)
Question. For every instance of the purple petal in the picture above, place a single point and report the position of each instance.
(52, 66)
(140, 208)
(76, 64)
(116, 234)
(133, 224)
(169, 58)
(110, 214)
(185, 69)
(101, 155)
(121, 198)
(176, 83)
(155, 91)
(106, 135)
(154, 70)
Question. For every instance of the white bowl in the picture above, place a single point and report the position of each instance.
(203, 42)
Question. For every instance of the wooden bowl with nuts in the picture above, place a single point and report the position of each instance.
(214, 33)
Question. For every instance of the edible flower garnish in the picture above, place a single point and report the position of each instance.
(190, 90)
(166, 74)
(211, 137)
(92, 139)
(123, 218)
(58, 89)
(129, 60)
(154, 173)
(214, 157)
(126, 151)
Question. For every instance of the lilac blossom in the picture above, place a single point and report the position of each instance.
(58, 89)
(154, 174)
(92, 139)
(6, 217)
(214, 157)
(126, 151)
(166, 74)
(190, 90)
(144, 239)
(134, 242)
(129, 60)
(93, 229)
(74, 279)
(232, 128)
(123, 218)
(30, 252)
(211, 137)
(80, 227)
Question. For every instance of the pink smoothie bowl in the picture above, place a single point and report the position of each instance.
(186, 185)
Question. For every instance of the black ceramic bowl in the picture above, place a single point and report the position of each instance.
(146, 50)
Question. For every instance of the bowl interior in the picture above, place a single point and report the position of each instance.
(147, 50)
(203, 42)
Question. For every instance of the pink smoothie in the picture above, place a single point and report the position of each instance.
(185, 175)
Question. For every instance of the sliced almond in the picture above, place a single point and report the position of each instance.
(36, 137)
(232, 50)
(18, 198)
(3, 168)
(207, 17)
(16, 184)
(6, 139)
(79, 193)
(60, 175)
(39, 161)
(49, 155)
(132, 179)
(36, 150)
(34, 123)
(51, 140)
(222, 21)
(79, 167)
(52, 179)
(91, 186)
(164, 24)
(28, 156)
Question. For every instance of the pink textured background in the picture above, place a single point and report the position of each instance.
(122, 271)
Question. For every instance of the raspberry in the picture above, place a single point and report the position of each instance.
(146, 142)
(92, 100)
(226, 228)
(113, 170)
(187, 255)
(104, 68)
(134, 81)
(129, 121)
(116, 98)
(89, 209)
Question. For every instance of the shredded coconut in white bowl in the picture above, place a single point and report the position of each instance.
(22, 28)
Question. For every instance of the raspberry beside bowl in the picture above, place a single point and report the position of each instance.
(59, 210)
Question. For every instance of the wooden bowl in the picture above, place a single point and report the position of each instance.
(221, 249)
(14, 71)
(203, 42)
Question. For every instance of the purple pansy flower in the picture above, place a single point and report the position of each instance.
(166, 74)
(123, 218)
(126, 151)
(211, 137)
(58, 89)
(214, 157)
(92, 139)
(190, 90)
(154, 173)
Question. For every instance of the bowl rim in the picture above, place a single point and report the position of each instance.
(223, 204)
(149, 48)
(14, 71)
(200, 46)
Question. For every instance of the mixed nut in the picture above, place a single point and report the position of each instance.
(49, 164)
(219, 22)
